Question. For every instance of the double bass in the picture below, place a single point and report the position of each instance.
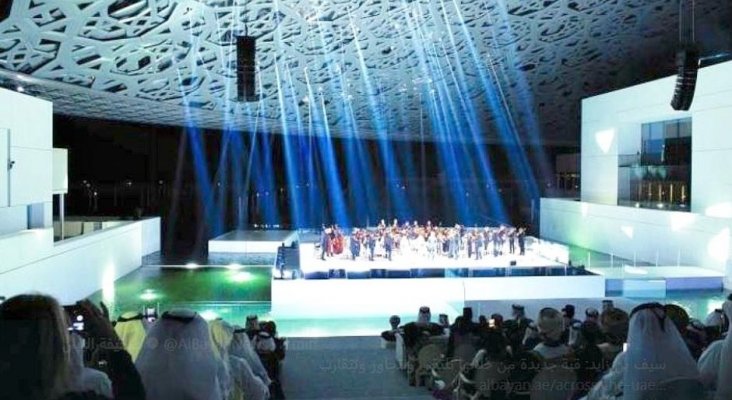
(337, 242)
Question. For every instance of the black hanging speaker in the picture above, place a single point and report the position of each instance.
(5, 7)
(687, 66)
(246, 51)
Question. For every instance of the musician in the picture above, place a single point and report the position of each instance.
(453, 244)
(325, 243)
(512, 240)
(478, 246)
(432, 245)
(371, 244)
(355, 245)
(388, 244)
(470, 241)
(521, 236)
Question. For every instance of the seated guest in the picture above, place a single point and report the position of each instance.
(607, 304)
(36, 360)
(589, 357)
(252, 326)
(531, 337)
(614, 326)
(171, 366)
(519, 315)
(85, 379)
(241, 347)
(551, 326)
(497, 321)
(716, 325)
(592, 315)
(568, 315)
(238, 377)
(462, 332)
(416, 335)
(711, 359)
(390, 335)
(656, 353)
(680, 318)
(415, 332)
(131, 331)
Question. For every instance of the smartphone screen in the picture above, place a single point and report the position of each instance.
(150, 313)
(76, 318)
(625, 346)
(491, 323)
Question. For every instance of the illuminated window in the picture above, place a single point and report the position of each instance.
(659, 174)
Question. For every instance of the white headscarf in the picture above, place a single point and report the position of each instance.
(724, 378)
(656, 353)
(424, 316)
(246, 384)
(177, 360)
(263, 342)
(131, 331)
(85, 379)
(242, 348)
(221, 336)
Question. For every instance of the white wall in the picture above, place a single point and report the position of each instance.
(671, 237)
(29, 122)
(73, 269)
(611, 126)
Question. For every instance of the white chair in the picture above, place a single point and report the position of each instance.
(428, 357)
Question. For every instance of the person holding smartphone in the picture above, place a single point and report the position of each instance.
(35, 347)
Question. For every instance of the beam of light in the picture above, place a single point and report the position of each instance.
(505, 124)
(294, 201)
(532, 125)
(332, 185)
(458, 76)
(389, 166)
(205, 192)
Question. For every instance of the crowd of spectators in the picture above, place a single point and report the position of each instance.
(654, 351)
(49, 352)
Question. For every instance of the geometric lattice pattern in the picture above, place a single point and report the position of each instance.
(353, 61)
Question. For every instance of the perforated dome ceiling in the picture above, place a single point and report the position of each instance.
(375, 67)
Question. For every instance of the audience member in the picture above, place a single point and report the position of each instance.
(84, 379)
(177, 360)
(40, 361)
(241, 347)
(711, 359)
(243, 383)
(681, 320)
(592, 315)
(390, 335)
(656, 353)
(131, 331)
(551, 326)
(251, 326)
(589, 357)
(568, 313)
(614, 325)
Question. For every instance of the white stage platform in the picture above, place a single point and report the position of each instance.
(653, 280)
(310, 261)
(251, 241)
(338, 298)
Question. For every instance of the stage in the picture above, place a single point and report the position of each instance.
(251, 241)
(340, 286)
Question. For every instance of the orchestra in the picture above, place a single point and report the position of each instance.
(422, 240)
